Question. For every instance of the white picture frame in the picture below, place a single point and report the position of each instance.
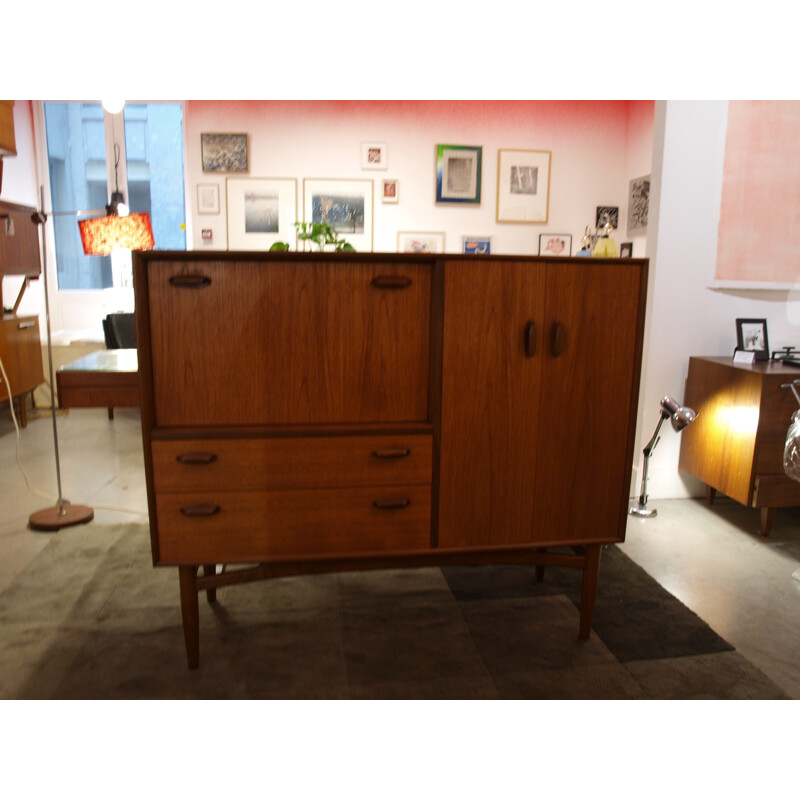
(374, 155)
(420, 242)
(390, 190)
(207, 198)
(523, 186)
(261, 212)
(344, 203)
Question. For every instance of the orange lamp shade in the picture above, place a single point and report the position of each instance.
(102, 235)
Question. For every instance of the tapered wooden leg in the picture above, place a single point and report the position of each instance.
(767, 516)
(711, 493)
(191, 614)
(211, 594)
(591, 575)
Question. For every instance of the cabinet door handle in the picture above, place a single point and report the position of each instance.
(392, 452)
(558, 339)
(391, 282)
(391, 502)
(23, 325)
(190, 281)
(200, 510)
(197, 458)
(530, 339)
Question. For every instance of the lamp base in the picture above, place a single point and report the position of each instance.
(60, 516)
(642, 511)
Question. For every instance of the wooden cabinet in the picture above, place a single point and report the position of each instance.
(305, 413)
(735, 446)
(21, 354)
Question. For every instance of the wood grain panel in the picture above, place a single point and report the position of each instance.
(588, 396)
(284, 343)
(21, 351)
(255, 526)
(291, 463)
(490, 396)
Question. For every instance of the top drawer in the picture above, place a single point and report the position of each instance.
(284, 343)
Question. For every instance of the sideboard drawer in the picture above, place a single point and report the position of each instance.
(246, 527)
(311, 462)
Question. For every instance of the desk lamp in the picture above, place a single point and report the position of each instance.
(680, 416)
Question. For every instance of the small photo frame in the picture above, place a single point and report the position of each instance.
(224, 152)
(458, 173)
(207, 198)
(626, 250)
(555, 244)
(751, 336)
(477, 245)
(606, 214)
(261, 212)
(374, 155)
(420, 242)
(523, 186)
(390, 190)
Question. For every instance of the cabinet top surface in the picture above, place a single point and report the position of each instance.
(762, 367)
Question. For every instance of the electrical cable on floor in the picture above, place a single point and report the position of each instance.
(31, 488)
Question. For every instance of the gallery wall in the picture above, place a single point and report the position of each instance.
(597, 147)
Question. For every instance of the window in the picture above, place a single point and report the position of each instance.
(151, 178)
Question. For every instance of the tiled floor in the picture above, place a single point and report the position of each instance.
(713, 559)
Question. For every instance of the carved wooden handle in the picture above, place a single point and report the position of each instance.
(200, 510)
(391, 282)
(391, 502)
(530, 339)
(190, 281)
(392, 452)
(558, 339)
(197, 458)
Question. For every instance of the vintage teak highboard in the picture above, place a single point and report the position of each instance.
(318, 412)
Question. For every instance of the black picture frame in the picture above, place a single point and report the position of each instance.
(751, 336)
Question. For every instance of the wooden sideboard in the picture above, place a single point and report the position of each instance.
(735, 446)
(316, 412)
(20, 342)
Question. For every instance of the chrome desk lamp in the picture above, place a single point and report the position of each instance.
(680, 416)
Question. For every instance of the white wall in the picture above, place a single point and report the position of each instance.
(686, 317)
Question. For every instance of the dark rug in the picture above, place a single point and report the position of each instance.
(90, 617)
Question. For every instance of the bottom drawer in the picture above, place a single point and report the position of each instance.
(247, 527)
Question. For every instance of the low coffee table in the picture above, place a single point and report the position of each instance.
(103, 379)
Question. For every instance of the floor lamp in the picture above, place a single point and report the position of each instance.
(104, 235)
(680, 416)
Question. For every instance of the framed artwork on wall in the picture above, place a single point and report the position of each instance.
(638, 205)
(390, 190)
(606, 214)
(420, 242)
(751, 336)
(458, 173)
(476, 245)
(374, 155)
(207, 198)
(523, 186)
(345, 204)
(555, 244)
(261, 212)
(626, 250)
(224, 152)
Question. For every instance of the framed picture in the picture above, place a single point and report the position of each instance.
(626, 250)
(751, 336)
(420, 242)
(224, 152)
(261, 211)
(207, 198)
(390, 190)
(458, 173)
(638, 205)
(476, 245)
(523, 186)
(346, 205)
(606, 214)
(555, 244)
(374, 155)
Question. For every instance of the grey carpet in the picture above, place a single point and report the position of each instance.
(90, 618)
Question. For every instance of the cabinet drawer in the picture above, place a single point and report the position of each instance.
(21, 351)
(246, 527)
(312, 462)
